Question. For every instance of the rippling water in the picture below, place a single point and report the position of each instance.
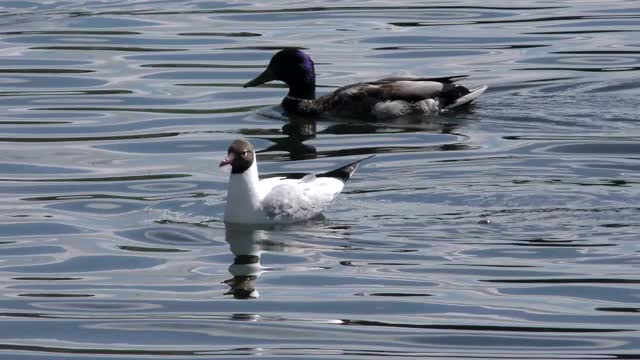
(507, 231)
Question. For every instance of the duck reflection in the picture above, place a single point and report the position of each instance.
(299, 129)
(244, 243)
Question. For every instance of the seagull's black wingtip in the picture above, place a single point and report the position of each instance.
(344, 173)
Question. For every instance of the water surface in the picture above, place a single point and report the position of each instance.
(509, 230)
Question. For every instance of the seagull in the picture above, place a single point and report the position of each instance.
(382, 99)
(279, 199)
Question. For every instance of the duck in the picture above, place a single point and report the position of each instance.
(278, 199)
(382, 99)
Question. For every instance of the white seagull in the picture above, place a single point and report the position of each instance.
(280, 199)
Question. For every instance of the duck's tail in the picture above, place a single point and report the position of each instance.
(345, 172)
(466, 97)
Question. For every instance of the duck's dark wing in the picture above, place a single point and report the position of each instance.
(442, 79)
(359, 100)
(362, 86)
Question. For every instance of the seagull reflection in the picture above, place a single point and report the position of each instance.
(244, 243)
(247, 243)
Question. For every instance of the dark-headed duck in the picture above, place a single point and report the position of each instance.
(378, 100)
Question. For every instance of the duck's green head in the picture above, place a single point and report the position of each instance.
(293, 67)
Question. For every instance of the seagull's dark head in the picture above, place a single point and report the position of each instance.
(240, 156)
(293, 67)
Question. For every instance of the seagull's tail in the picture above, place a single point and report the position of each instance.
(345, 172)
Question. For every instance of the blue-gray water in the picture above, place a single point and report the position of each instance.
(510, 230)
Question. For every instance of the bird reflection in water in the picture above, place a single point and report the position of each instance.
(299, 129)
(244, 243)
(248, 242)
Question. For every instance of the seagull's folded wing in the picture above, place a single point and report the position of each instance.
(300, 200)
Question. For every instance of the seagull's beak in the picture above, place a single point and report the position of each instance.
(227, 161)
(266, 76)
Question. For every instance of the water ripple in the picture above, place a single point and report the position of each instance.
(505, 230)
